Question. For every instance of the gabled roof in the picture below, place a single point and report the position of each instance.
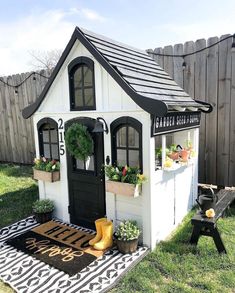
(135, 71)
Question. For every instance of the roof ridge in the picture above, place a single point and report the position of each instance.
(111, 41)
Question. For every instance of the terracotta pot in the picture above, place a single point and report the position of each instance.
(184, 154)
(43, 217)
(174, 156)
(128, 246)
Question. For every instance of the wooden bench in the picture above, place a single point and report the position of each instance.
(208, 226)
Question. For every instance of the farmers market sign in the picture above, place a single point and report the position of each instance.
(174, 122)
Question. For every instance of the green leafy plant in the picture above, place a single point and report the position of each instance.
(47, 165)
(79, 141)
(158, 152)
(125, 174)
(43, 206)
(173, 148)
(127, 230)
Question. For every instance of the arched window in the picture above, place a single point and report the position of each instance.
(126, 142)
(48, 138)
(82, 84)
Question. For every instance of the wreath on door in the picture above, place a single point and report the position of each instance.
(79, 141)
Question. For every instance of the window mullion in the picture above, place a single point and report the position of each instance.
(127, 145)
(50, 141)
(83, 86)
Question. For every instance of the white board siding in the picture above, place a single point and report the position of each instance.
(172, 200)
(173, 192)
(183, 193)
(120, 207)
(109, 95)
(58, 191)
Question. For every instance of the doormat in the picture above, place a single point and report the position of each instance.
(58, 245)
(26, 274)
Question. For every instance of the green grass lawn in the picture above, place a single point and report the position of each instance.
(17, 193)
(174, 266)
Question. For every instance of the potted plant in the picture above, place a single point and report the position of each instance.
(43, 209)
(127, 236)
(173, 152)
(46, 170)
(124, 180)
(184, 155)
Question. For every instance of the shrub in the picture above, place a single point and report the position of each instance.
(43, 206)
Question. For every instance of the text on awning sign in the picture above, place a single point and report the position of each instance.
(175, 122)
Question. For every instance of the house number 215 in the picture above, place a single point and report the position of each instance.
(61, 135)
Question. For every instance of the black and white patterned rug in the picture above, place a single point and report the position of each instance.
(26, 274)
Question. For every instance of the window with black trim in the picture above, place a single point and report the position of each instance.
(82, 84)
(127, 142)
(48, 138)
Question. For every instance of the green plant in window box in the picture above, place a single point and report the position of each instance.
(125, 174)
(124, 180)
(46, 170)
(45, 164)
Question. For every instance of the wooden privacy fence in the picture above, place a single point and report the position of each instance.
(209, 76)
(16, 133)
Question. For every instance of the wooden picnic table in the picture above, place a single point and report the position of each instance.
(208, 226)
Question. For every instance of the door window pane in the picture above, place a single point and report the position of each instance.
(87, 165)
(121, 137)
(90, 163)
(80, 164)
(121, 157)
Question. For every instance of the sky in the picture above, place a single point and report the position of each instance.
(44, 25)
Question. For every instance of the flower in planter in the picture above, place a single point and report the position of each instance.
(125, 174)
(127, 236)
(127, 230)
(47, 165)
(168, 163)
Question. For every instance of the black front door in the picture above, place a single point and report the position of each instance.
(86, 181)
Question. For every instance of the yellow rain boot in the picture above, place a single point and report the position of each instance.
(98, 224)
(107, 236)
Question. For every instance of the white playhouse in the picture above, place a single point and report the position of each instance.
(141, 112)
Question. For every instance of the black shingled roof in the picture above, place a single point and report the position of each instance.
(135, 71)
